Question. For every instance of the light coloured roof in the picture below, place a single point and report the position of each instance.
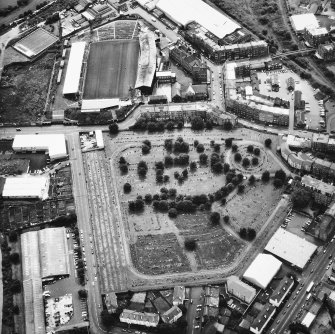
(323, 187)
(73, 71)
(187, 11)
(262, 270)
(302, 21)
(99, 138)
(290, 248)
(139, 318)
(53, 252)
(95, 105)
(240, 289)
(53, 144)
(317, 31)
(26, 186)
(308, 319)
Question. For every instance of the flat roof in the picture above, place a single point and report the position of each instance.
(73, 71)
(95, 105)
(282, 289)
(240, 289)
(317, 31)
(262, 270)
(308, 319)
(26, 186)
(187, 11)
(290, 248)
(302, 21)
(139, 318)
(263, 317)
(53, 144)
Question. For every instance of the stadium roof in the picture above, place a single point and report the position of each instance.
(147, 61)
(262, 270)
(187, 11)
(302, 21)
(53, 252)
(73, 71)
(291, 248)
(27, 186)
(53, 144)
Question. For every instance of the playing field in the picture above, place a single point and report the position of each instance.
(111, 69)
(35, 42)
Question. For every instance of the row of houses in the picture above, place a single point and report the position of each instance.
(186, 111)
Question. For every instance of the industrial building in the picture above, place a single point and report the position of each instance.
(262, 270)
(26, 186)
(187, 11)
(291, 248)
(302, 21)
(52, 144)
(282, 290)
(44, 256)
(73, 71)
(240, 289)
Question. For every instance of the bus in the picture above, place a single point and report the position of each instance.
(310, 286)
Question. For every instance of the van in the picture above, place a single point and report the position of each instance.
(18, 129)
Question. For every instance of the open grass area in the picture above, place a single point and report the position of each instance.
(111, 69)
(23, 90)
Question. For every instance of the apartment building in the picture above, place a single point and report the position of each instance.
(316, 36)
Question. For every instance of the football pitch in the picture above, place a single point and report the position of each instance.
(111, 69)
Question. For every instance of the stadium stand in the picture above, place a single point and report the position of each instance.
(124, 29)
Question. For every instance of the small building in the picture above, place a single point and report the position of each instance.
(282, 290)
(326, 51)
(172, 315)
(331, 299)
(320, 142)
(158, 99)
(275, 64)
(111, 302)
(275, 84)
(240, 289)
(290, 84)
(178, 295)
(263, 318)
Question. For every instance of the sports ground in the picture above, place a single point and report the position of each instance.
(111, 69)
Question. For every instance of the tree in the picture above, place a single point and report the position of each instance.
(300, 198)
(281, 175)
(168, 144)
(243, 233)
(203, 158)
(228, 142)
(266, 176)
(12, 236)
(185, 173)
(173, 213)
(159, 165)
(147, 142)
(227, 126)
(145, 149)
(257, 151)
(226, 168)
(122, 160)
(108, 319)
(127, 188)
(193, 166)
(234, 148)
(180, 125)
(16, 309)
(172, 192)
(168, 161)
(254, 161)
(278, 183)
(240, 188)
(113, 128)
(166, 178)
(252, 179)
(15, 286)
(215, 218)
(170, 126)
(237, 157)
(251, 234)
(216, 148)
(209, 125)
(200, 148)
(82, 293)
(190, 245)
(268, 142)
(250, 148)
(197, 123)
(217, 167)
(226, 219)
(245, 162)
(196, 143)
(14, 258)
(124, 168)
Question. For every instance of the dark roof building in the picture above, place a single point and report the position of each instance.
(262, 319)
(279, 294)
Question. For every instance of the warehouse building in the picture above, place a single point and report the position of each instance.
(187, 11)
(302, 21)
(52, 144)
(262, 270)
(27, 186)
(73, 71)
(240, 289)
(291, 248)
(44, 256)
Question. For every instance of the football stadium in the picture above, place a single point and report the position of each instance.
(34, 43)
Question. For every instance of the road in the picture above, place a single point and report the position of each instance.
(197, 297)
(318, 266)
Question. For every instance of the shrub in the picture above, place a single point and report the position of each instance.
(278, 183)
(190, 245)
(12, 236)
(226, 219)
(217, 148)
(250, 148)
(197, 123)
(15, 286)
(266, 176)
(122, 160)
(148, 198)
(234, 148)
(147, 142)
(166, 178)
(203, 158)
(228, 142)
(200, 148)
(209, 125)
(173, 213)
(240, 188)
(193, 166)
(215, 218)
(145, 149)
(227, 126)
(254, 161)
(113, 128)
(245, 162)
(124, 168)
(257, 151)
(268, 142)
(252, 179)
(127, 188)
